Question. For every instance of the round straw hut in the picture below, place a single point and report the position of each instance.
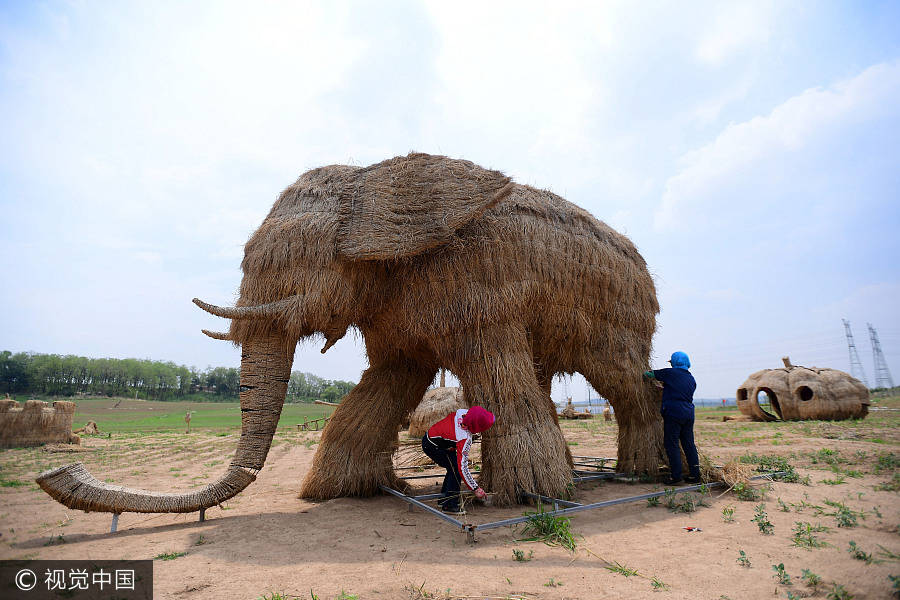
(796, 393)
(436, 404)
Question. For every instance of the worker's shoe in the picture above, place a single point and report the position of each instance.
(452, 510)
(692, 479)
(670, 481)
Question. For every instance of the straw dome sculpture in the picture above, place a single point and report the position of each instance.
(436, 404)
(796, 393)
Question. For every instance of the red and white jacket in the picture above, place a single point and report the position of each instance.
(449, 429)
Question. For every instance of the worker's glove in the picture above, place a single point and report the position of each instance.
(480, 493)
(649, 375)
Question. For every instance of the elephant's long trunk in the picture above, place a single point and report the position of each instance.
(265, 371)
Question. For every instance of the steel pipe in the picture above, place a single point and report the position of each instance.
(554, 501)
(424, 507)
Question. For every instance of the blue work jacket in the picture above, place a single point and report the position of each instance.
(678, 393)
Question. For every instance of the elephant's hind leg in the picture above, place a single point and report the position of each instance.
(636, 405)
(354, 456)
(525, 449)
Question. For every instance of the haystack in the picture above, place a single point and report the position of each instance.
(90, 429)
(796, 393)
(36, 423)
(569, 412)
(436, 404)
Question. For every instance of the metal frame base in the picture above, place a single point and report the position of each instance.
(560, 506)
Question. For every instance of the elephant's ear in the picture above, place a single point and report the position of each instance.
(409, 204)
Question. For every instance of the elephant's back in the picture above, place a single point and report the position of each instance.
(550, 220)
(571, 272)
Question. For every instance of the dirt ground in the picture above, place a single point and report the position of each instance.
(267, 542)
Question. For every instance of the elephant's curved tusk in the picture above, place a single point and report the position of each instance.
(262, 311)
(217, 335)
(329, 342)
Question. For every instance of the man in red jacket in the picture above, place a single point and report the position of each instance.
(447, 443)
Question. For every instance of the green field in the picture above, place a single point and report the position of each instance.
(143, 416)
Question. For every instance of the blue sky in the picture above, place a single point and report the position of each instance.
(750, 150)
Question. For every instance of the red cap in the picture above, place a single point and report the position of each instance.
(478, 419)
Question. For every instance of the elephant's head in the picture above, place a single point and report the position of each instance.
(318, 264)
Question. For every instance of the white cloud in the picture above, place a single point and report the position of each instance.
(817, 115)
(144, 142)
(735, 26)
(151, 258)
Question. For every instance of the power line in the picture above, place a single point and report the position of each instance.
(883, 377)
(856, 368)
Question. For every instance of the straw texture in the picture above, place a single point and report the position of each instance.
(440, 263)
(798, 393)
(73, 486)
(265, 369)
(35, 423)
(436, 404)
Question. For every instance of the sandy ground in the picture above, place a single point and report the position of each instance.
(268, 541)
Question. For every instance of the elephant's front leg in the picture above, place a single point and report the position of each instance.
(525, 449)
(354, 456)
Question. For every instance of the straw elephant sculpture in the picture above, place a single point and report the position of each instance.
(438, 263)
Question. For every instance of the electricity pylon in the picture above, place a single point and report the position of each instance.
(882, 373)
(856, 368)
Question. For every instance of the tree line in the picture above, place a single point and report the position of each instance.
(27, 373)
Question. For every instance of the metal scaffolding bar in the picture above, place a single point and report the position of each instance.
(571, 507)
(591, 465)
(579, 477)
(424, 506)
(429, 496)
(555, 501)
(581, 507)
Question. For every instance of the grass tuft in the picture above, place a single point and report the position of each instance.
(551, 529)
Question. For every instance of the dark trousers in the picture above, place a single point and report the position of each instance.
(680, 431)
(443, 453)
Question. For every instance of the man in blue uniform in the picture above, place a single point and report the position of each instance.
(678, 416)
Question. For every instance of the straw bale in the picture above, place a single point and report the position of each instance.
(436, 404)
(799, 393)
(90, 429)
(35, 423)
(569, 412)
(65, 448)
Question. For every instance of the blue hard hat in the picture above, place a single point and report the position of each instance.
(680, 360)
